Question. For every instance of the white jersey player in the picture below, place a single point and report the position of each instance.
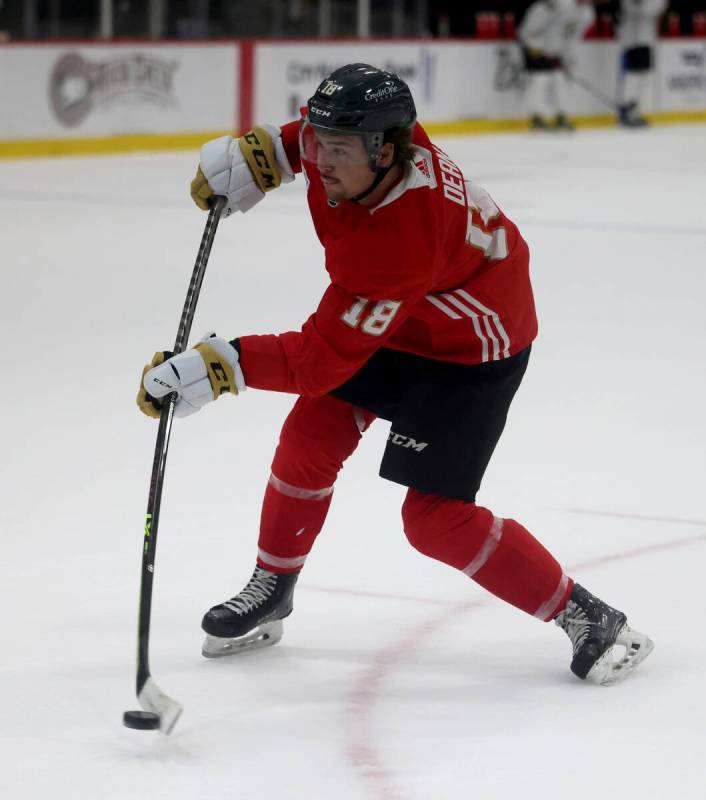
(549, 35)
(637, 34)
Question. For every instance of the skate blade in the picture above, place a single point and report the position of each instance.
(263, 636)
(611, 668)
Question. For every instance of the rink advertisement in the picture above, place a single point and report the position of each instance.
(80, 87)
(87, 97)
(451, 82)
(682, 74)
(286, 74)
(443, 77)
(113, 90)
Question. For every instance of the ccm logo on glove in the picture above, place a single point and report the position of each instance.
(241, 170)
(258, 149)
(198, 376)
(163, 383)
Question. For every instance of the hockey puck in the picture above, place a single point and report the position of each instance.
(141, 720)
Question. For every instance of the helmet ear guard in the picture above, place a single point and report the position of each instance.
(373, 144)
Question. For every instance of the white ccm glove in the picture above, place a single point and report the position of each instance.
(198, 376)
(241, 170)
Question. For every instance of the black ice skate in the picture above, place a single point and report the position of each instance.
(251, 619)
(597, 631)
(563, 123)
(537, 123)
(629, 117)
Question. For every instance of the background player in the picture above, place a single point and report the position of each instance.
(637, 33)
(549, 35)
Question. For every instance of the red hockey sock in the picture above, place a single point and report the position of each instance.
(317, 437)
(291, 519)
(499, 554)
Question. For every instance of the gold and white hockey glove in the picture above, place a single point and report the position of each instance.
(198, 376)
(241, 170)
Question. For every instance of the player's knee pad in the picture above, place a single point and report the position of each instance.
(316, 438)
(448, 530)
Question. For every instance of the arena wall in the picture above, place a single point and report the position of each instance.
(80, 97)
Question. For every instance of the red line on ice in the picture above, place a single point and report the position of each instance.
(362, 753)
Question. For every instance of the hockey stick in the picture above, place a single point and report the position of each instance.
(587, 86)
(159, 710)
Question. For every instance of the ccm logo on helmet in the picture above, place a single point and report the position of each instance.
(320, 112)
(406, 442)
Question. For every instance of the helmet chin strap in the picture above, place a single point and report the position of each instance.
(380, 173)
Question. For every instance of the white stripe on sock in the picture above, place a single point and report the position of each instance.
(297, 491)
(550, 606)
(282, 563)
(487, 548)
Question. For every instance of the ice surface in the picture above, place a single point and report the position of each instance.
(397, 678)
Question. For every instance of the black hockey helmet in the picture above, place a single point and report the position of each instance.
(361, 99)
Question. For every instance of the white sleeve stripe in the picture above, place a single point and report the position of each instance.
(474, 319)
(493, 314)
(469, 312)
(491, 321)
(472, 300)
(298, 491)
(489, 331)
(442, 306)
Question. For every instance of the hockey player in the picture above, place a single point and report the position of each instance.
(427, 322)
(637, 33)
(549, 35)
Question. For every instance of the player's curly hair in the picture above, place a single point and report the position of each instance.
(402, 140)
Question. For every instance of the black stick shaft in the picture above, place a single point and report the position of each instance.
(149, 549)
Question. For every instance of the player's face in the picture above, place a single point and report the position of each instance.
(344, 166)
(342, 160)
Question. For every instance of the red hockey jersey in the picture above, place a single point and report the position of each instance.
(435, 269)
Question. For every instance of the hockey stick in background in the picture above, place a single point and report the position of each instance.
(587, 86)
(159, 710)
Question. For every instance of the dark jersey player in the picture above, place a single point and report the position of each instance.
(427, 322)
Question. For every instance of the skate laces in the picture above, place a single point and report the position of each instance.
(574, 621)
(259, 589)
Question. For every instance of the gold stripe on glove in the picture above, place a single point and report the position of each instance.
(258, 149)
(144, 403)
(200, 190)
(220, 372)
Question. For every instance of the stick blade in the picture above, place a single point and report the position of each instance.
(154, 701)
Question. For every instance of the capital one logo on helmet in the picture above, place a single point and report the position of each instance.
(381, 94)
